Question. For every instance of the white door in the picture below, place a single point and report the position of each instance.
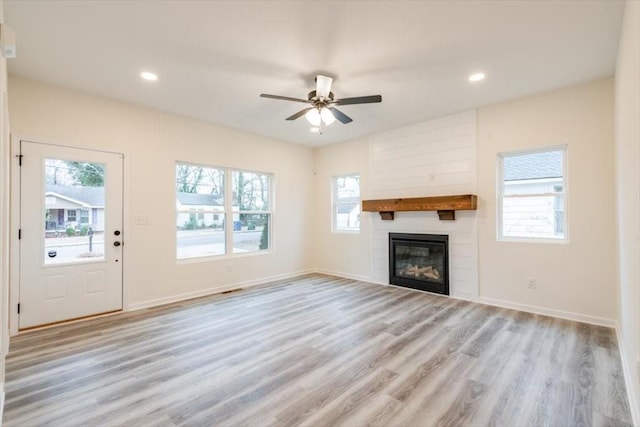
(70, 233)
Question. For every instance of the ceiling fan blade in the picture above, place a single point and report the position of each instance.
(299, 113)
(323, 86)
(284, 98)
(359, 100)
(342, 117)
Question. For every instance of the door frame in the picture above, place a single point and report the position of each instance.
(14, 251)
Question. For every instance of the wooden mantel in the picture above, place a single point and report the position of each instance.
(445, 205)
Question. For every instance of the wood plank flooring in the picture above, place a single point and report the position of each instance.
(318, 351)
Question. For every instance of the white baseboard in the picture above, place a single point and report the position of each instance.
(211, 291)
(466, 296)
(628, 379)
(1, 402)
(584, 318)
(457, 295)
(344, 275)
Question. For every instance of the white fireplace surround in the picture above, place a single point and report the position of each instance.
(434, 158)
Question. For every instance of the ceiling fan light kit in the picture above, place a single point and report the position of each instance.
(322, 110)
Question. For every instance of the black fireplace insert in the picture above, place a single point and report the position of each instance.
(419, 261)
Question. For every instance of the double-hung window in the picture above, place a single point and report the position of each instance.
(346, 203)
(532, 189)
(221, 211)
(200, 211)
(251, 211)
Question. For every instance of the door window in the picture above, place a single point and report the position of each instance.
(75, 188)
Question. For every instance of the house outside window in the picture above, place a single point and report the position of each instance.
(532, 192)
(71, 215)
(346, 203)
(206, 198)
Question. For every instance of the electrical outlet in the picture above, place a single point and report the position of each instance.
(532, 283)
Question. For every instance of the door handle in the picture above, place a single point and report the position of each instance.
(116, 243)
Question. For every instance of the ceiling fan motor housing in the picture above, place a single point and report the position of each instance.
(313, 96)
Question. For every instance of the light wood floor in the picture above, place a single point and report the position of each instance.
(318, 351)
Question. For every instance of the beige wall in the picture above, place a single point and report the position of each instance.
(577, 277)
(152, 142)
(347, 254)
(575, 280)
(4, 219)
(628, 196)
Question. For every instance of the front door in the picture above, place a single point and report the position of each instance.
(70, 233)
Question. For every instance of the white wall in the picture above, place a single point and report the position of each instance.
(628, 196)
(152, 142)
(4, 219)
(433, 158)
(346, 254)
(576, 279)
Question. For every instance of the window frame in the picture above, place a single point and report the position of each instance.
(335, 204)
(227, 213)
(82, 217)
(500, 196)
(238, 211)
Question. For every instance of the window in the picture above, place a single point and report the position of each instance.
(71, 215)
(205, 197)
(346, 203)
(251, 211)
(559, 210)
(84, 216)
(200, 189)
(531, 193)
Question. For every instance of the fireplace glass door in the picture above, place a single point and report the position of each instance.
(419, 261)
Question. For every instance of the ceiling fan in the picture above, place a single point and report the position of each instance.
(322, 110)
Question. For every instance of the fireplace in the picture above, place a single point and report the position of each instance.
(419, 261)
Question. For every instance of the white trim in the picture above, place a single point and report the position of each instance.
(465, 296)
(500, 194)
(215, 290)
(1, 402)
(346, 275)
(577, 317)
(14, 206)
(335, 203)
(14, 254)
(68, 199)
(628, 379)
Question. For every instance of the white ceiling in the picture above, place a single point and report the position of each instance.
(214, 58)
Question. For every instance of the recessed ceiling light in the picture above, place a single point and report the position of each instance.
(147, 75)
(476, 77)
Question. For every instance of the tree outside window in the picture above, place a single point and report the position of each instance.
(206, 198)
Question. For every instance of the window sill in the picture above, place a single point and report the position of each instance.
(345, 231)
(548, 240)
(208, 258)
